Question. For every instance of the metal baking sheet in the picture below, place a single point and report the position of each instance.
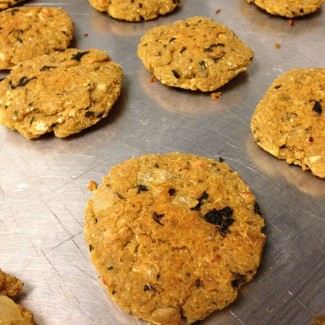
(43, 183)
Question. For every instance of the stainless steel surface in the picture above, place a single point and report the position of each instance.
(43, 183)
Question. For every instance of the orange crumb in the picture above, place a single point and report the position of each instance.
(153, 79)
(277, 45)
(92, 186)
(218, 10)
(291, 22)
(215, 96)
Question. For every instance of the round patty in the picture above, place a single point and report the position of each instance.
(64, 92)
(174, 236)
(27, 32)
(289, 121)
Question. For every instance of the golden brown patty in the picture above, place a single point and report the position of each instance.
(196, 53)
(14, 314)
(288, 8)
(135, 10)
(4, 4)
(10, 312)
(64, 92)
(174, 236)
(9, 285)
(27, 32)
(289, 121)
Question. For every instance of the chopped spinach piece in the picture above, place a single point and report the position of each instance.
(216, 45)
(156, 217)
(183, 49)
(318, 108)
(176, 74)
(201, 200)
(221, 218)
(89, 113)
(198, 283)
(225, 225)
(21, 83)
(79, 55)
(202, 65)
(47, 67)
(141, 188)
(210, 48)
(171, 191)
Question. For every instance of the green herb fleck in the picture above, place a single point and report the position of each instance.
(318, 108)
(221, 218)
(176, 74)
(183, 49)
(203, 68)
(47, 67)
(156, 217)
(141, 188)
(171, 191)
(21, 83)
(79, 55)
(89, 113)
(198, 283)
(201, 200)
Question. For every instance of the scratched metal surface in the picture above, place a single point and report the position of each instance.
(43, 183)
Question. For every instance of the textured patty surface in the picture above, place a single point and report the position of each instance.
(173, 236)
(288, 8)
(289, 121)
(196, 54)
(9, 285)
(27, 32)
(10, 312)
(135, 10)
(4, 4)
(64, 92)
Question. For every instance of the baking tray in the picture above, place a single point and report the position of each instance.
(43, 183)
